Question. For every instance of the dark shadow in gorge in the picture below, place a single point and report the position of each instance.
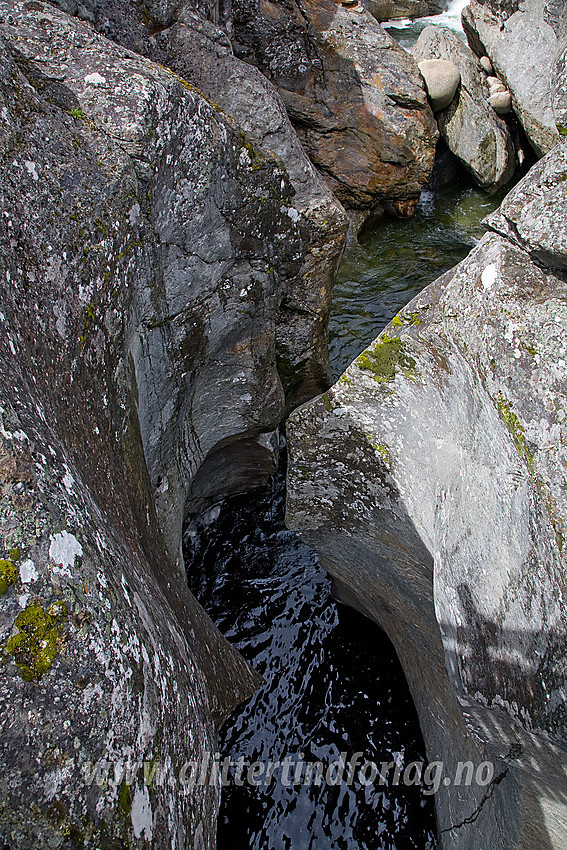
(333, 684)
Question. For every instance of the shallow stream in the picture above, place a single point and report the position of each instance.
(395, 259)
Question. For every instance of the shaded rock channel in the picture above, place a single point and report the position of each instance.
(334, 683)
(333, 686)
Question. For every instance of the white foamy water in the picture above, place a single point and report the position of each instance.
(451, 18)
(406, 31)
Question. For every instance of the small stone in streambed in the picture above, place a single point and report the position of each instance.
(486, 64)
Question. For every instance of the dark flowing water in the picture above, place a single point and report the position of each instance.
(333, 685)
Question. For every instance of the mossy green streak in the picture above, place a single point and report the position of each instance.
(8, 575)
(388, 354)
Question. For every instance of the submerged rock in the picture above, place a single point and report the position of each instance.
(431, 480)
(478, 137)
(522, 47)
(354, 96)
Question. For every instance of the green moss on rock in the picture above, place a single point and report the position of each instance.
(8, 575)
(125, 798)
(401, 319)
(388, 355)
(34, 647)
(384, 452)
(516, 430)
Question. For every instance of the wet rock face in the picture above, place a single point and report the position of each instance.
(523, 47)
(431, 480)
(354, 96)
(147, 249)
(469, 125)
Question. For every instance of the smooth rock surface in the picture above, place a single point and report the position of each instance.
(431, 479)
(523, 48)
(500, 101)
(442, 79)
(200, 53)
(354, 96)
(478, 137)
(386, 10)
(493, 81)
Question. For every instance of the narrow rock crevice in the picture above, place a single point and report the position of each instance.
(473, 817)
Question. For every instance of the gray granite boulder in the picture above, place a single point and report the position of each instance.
(532, 215)
(522, 47)
(146, 251)
(501, 101)
(472, 130)
(182, 39)
(431, 479)
(341, 77)
(200, 52)
(385, 10)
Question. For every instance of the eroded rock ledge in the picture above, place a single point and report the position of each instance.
(431, 480)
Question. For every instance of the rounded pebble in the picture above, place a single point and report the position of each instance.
(501, 102)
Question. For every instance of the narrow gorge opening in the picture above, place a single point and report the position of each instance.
(334, 684)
